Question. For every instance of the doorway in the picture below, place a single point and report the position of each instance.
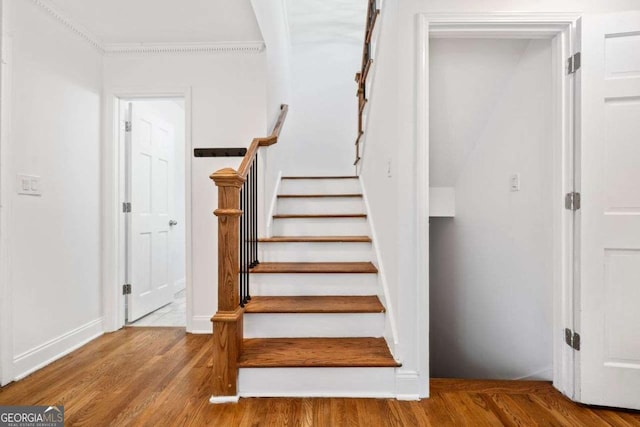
(154, 250)
(491, 256)
(560, 31)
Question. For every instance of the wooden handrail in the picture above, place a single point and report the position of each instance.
(367, 61)
(256, 143)
(227, 322)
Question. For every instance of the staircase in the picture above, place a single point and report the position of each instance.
(314, 324)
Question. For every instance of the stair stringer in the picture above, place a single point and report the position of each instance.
(390, 328)
(272, 208)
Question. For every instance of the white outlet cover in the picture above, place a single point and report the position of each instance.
(29, 185)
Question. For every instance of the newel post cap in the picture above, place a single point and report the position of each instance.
(227, 177)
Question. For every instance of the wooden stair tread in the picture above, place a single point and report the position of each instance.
(315, 352)
(320, 216)
(316, 196)
(314, 304)
(320, 177)
(316, 239)
(314, 267)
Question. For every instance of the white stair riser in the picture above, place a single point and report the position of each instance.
(320, 227)
(316, 252)
(313, 284)
(320, 205)
(317, 382)
(320, 186)
(304, 325)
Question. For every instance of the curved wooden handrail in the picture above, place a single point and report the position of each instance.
(265, 141)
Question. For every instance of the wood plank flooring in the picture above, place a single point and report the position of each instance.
(160, 377)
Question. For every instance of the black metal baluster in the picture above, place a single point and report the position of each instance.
(240, 272)
(255, 214)
(247, 235)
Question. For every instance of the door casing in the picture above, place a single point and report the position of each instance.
(561, 30)
(113, 193)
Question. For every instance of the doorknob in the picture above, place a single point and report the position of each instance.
(173, 222)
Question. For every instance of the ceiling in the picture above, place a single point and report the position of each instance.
(163, 21)
(327, 21)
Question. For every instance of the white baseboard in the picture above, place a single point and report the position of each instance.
(408, 385)
(201, 325)
(544, 374)
(38, 357)
(224, 399)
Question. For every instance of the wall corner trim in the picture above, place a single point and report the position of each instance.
(201, 325)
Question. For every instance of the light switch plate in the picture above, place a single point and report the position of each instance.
(29, 185)
(515, 182)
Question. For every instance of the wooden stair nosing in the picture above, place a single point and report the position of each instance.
(316, 196)
(315, 304)
(315, 239)
(314, 267)
(289, 216)
(315, 352)
(320, 177)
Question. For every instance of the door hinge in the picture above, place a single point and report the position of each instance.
(126, 289)
(573, 63)
(126, 207)
(127, 126)
(572, 339)
(572, 201)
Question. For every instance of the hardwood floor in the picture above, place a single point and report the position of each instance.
(160, 377)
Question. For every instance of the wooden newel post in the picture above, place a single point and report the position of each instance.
(227, 322)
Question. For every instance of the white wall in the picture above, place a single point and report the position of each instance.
(491, 265)
(326, 39)
(53, 240)
(172, 111)
(391, 137)
(228, 104)
(322, 125)
(272, 19)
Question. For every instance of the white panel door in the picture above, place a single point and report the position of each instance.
(608, 319)
(151, 197)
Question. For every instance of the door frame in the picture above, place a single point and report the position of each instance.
(560, 28)
(113, 190)
(6, 194)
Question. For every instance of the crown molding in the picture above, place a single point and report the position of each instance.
(82, 32)
(160, 48)
(147, 48)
